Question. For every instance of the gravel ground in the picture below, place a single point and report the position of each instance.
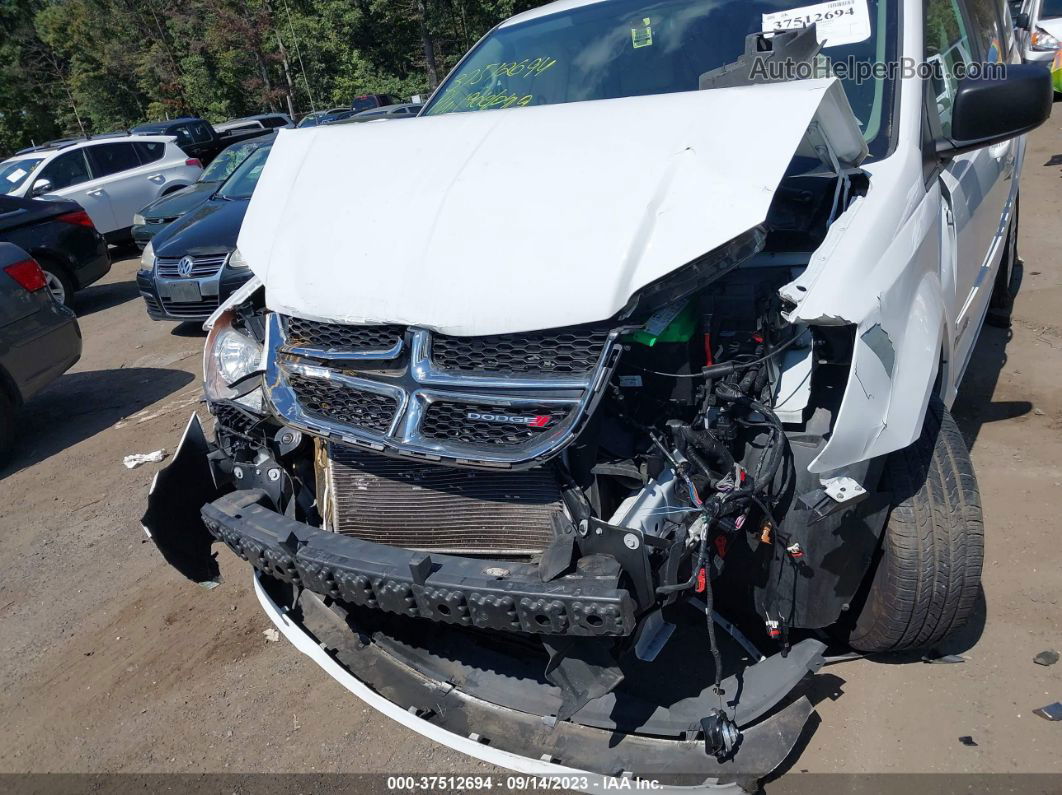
(110, 662)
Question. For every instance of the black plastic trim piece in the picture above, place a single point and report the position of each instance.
(499, 595)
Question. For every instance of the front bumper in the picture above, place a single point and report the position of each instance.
(214, 291)
(359, 610)
(498, 595)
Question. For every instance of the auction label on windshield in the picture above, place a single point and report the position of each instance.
(837, 22)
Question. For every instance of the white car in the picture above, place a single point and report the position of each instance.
(654, 392)
(1040, 38)
(110, 177)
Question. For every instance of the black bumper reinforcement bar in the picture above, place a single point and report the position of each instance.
(489, 594)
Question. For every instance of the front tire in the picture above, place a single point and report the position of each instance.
(928, 573)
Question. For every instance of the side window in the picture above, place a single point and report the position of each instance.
(274, 121)
(66, 170)
(149, 151)
(107, 159)
(202, 133)
(988, 29)
(949, 51)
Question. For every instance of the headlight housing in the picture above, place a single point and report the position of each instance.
(138, 220)
(236, 260)
(147, 259)
(230, 357)
(1044, 41)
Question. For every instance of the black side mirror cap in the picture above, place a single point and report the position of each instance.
(1023, 21)
(989, 110)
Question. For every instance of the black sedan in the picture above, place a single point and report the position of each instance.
(192, 265)
(39, 338)
(165, 210)
(60, 236)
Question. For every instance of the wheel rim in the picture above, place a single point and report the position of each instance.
(55, 287)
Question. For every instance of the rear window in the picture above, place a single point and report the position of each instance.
(107, 159)
(274, 121)
(201, 132)
(149, 151)
(367, 102)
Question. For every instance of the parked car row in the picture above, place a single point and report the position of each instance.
(110, 178)
(191, 265)
(167, 209)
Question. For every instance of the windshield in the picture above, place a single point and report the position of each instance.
(1051, 9)
(241, 184)
(15, 172)
(226, 162)
(628, 48)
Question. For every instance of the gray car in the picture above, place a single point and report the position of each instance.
(39, 337)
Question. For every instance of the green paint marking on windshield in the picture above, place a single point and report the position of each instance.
(643, 36)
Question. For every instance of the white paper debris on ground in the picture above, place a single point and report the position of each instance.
(271, 635)
(136, 459)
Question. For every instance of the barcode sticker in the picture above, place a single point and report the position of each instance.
(837, 22)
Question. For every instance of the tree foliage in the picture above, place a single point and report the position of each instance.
(84, 66)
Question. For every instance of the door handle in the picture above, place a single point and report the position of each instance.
(97, 192)
(157, 177)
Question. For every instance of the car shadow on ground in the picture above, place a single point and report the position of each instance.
(104, 296)
(190, 328)
(974, 405)
(80, 405)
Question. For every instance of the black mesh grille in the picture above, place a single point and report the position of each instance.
(341, 404)
(337, 337)
(451, 422)
(560, 351)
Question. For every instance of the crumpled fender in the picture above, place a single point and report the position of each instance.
(896, 301)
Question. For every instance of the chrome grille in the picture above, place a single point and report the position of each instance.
(378, 386)
(202, 267)
(338, 403)
(333, 337)
(441, 509)
(574, 350)
(478, 424)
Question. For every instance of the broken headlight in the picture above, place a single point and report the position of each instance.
(231, 358)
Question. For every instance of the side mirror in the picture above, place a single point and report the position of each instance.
(40, 187)
(1023, 21)
(989, 111)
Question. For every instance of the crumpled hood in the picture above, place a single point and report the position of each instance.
(514, 220)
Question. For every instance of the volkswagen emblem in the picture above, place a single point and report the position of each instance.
(184, 267)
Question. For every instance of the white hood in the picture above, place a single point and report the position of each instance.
(514, 220)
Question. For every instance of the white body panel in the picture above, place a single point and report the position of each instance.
(489, 223)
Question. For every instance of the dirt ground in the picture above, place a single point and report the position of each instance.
(111, 662)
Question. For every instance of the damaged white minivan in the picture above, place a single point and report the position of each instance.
(619, 388)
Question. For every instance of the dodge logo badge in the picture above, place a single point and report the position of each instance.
(540, 421)
(184, 267)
